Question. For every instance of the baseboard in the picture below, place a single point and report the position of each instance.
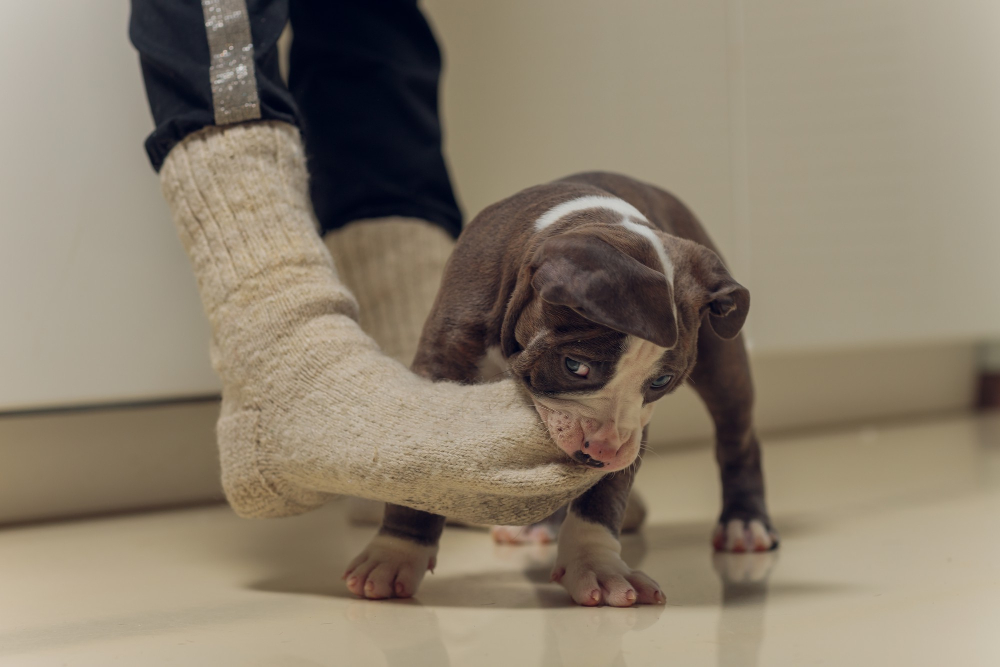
(83, 462)
(818, 390)
(80, 462)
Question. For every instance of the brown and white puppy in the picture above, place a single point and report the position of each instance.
(599, 293)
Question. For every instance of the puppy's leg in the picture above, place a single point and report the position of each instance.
(722, 379)
(589, 563)
(546, 530)
(395, 561)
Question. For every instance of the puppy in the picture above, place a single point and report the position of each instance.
(599, 293)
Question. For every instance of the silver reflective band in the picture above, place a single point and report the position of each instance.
(234, 82)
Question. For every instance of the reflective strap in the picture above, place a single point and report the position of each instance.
(234, 82)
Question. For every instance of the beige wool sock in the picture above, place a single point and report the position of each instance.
(393, 266)
(311, 408)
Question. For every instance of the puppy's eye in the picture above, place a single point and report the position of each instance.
(661, 381)
(577, 368)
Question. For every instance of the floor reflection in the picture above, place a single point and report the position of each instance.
(740, 630)
(409, 641)
(593, 635)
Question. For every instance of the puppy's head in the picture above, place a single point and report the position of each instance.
(604, 322)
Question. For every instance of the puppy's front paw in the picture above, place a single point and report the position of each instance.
(595, 577)
(389, 567)
(739, 536)
(590, 567)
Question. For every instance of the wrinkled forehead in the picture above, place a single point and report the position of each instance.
(554, 327)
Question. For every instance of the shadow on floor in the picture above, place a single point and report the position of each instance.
(677, 555)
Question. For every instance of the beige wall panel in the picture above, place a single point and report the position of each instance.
(97, 300)
(815, 390)
(872, 158)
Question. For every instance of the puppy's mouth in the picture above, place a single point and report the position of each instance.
(568, 435)
(587, 460)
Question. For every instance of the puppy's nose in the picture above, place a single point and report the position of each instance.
(597, 452)
(600, 446)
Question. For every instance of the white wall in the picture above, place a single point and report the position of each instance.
(97, 301)
(844, 154)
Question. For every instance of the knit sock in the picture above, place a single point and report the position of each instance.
(393, 266)
(310, 407)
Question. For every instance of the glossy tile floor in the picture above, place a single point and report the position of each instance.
(891, 556)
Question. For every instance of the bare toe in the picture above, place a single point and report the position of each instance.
(616, 591)
(357, 573)
(647, 591)
(760, 538)
(581, 584)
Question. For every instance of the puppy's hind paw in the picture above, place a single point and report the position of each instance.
(539, 533)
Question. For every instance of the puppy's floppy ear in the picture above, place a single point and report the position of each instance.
(606, 286)
(725, 300)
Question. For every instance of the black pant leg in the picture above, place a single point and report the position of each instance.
(209, 62)
(365, 76)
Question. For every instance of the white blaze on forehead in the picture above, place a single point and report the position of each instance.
(621, 397)
(585, 203)
(635, 367)
(629, 214)
(661, 252)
